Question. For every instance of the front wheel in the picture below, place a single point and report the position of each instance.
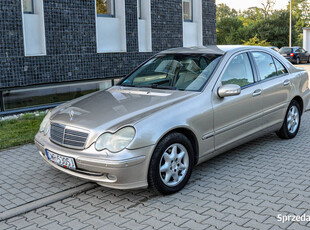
(171, 164)
(292, 121)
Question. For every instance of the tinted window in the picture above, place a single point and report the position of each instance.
(285, 50)
(265, 65)
(238, 71)
(280, 68)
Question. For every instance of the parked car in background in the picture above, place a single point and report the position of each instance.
(274, 48)
(295, 54)
(180, 108)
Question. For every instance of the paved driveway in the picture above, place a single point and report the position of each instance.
(247, 187)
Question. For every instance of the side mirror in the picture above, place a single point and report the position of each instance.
(229, 90)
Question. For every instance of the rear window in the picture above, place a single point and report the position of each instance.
(285, 50)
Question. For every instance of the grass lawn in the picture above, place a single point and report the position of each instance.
(19, 131)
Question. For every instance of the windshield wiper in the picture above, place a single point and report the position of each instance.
(156, 86)
(153, 86)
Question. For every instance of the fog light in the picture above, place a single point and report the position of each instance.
(112, 177)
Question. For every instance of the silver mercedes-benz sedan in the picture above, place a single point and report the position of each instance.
(179, 108)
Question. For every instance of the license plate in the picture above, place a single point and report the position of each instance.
(284, 55)
(66, 162)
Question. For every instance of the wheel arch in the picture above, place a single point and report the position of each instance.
(191, 137)
(300, 102)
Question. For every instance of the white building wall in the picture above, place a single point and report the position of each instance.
(111, 31)
(144, 27)
(306, 39)
(34, 30)
(192, 31)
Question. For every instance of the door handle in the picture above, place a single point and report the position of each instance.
(257, 92)
(286, 82)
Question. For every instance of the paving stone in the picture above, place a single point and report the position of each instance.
(19, 190)
(245, 188)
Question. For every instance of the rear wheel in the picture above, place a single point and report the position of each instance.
(171, 164)
(309, 59)
(292, 121)
(298, 61)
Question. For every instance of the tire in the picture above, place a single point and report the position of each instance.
(291, 122)
(309, 59)
(298, 61)
(170, 170)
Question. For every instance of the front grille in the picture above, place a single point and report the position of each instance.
(65, 136)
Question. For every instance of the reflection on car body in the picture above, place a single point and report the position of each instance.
(180, 108)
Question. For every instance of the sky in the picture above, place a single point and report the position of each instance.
(244, 4)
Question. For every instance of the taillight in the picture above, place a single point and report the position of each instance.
(292, 54)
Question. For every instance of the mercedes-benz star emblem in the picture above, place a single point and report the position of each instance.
(71, 114)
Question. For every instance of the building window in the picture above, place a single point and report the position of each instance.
(33, 27)
(192, 23)
(110, 26)
(28, 7)
(188, 10)
(105, 8)
(144, 25)
(139, 10)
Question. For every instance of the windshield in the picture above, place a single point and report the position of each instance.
(285, 50)
(174, 71)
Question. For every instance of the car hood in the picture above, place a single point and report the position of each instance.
(115, 107)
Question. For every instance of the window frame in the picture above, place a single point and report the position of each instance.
(273, 58)
(192, 11)
(253, 68)
(108, 15)
(280, 75)
(29, 12)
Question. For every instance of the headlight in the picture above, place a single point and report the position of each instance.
(45, 125)
(116, 142)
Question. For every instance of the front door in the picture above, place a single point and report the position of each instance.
(237, 118)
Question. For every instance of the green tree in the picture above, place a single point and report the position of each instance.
(228, 31)
(256, 42)
(101, 6)
(224, 11)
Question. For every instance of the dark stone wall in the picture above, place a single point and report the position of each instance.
(70, 32)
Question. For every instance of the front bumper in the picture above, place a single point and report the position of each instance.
(127, 169)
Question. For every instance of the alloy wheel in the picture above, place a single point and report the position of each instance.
(174, 165)
(293, 119)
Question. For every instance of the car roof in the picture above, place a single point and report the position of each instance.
(293, 47)
(212, 49)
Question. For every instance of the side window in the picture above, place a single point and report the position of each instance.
(280, 68)
(238, 71)
(265, 65)
(188, 10)
(105, 8)
(28, 7)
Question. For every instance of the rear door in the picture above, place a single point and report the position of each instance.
(305, 55)
(276, 87)
(299, 54)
